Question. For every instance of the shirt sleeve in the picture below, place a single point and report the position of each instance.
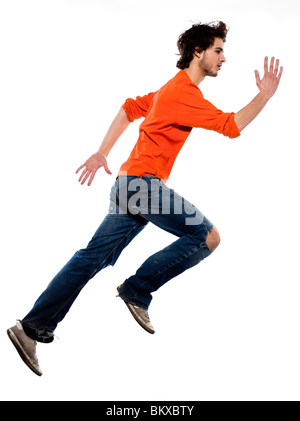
(137, 108)
(196, 111)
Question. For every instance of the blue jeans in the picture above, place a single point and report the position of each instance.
(134, 201)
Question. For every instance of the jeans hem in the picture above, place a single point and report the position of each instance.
(130, 301)
(39, 335)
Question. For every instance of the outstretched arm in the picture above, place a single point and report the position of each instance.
(98, 159)
(267, 88)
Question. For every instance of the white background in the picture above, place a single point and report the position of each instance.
(227, 329)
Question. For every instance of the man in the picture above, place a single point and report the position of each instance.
(140, 195)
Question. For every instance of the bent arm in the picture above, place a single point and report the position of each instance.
(267, 87)
(98, 159)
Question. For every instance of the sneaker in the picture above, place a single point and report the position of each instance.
(140, 314)
(25, 346)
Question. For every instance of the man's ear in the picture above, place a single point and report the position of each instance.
(198, 52)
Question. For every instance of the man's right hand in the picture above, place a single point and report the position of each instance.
(267, 87)
(270, 81)
(91, 166)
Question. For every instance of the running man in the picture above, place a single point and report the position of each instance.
(140, 194)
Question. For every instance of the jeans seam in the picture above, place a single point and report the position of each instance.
(202, 245)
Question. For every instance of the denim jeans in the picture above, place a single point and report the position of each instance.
(134, 201)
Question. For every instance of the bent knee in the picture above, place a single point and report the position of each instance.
(213, 239)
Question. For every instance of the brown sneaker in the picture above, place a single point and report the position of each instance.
(25, 346)
(140, 314)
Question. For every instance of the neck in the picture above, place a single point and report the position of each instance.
(195, 74)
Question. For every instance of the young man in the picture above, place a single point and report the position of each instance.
(140, 194)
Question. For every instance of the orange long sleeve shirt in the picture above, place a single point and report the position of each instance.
(170, 114)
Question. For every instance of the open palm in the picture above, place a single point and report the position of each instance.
(270, 81)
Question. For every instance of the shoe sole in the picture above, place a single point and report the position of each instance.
(21, 352)
(134, 315)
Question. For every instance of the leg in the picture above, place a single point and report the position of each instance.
(197, 239)
(113, 235)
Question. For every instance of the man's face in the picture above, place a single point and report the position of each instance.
(212, 59)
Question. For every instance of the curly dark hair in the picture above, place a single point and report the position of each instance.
(201, 37)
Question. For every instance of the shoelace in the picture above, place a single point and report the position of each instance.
(145, 314)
